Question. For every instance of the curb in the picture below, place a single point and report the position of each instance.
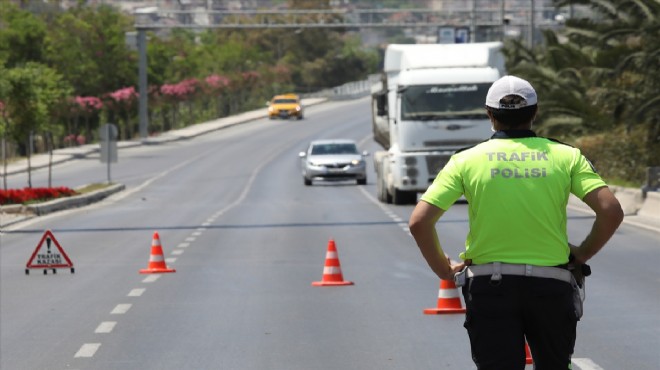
(19, 212)
(632, 204)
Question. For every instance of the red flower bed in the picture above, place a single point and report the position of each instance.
(25, 195)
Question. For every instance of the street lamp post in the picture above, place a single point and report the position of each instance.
(142, 83)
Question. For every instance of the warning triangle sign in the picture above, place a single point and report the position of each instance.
(49, 255)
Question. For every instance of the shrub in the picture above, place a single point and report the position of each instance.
(31, 195)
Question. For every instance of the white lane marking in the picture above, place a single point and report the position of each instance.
(121, 309)
(184, 245)
(105, 327)
(151, 278)
(206, 224)
(202, 228)
(177, 252)
(196, 233)
(586, 364)
(190, 239)
(399, 221)
(136, 292)
(170, 259)
(87, 350)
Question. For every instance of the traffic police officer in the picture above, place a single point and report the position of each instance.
(517, 187)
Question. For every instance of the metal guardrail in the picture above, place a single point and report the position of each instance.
(349, 90)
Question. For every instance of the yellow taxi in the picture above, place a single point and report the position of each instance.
(285, 106)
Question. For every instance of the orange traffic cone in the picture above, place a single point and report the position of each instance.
(156, 260)
(332, 270)
(448, 300)
(528, 355)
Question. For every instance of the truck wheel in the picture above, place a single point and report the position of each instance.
(404, 197)
(362, 181)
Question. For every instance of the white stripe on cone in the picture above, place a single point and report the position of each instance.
(445, 293)
(331, 270)
(156, 258)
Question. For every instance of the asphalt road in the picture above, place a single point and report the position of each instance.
(247, 239)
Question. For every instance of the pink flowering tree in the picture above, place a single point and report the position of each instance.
(176, 94)
(250, 84)
(241, 87)
(215, 88)
(87, 107)
(122, 104)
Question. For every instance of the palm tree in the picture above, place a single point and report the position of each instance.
(598, 75)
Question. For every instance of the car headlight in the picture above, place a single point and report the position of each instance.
(357, 162)
(298, 108)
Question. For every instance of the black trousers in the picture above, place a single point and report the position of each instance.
(501, 315)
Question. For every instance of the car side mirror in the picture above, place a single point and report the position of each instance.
(268, 104)
(365, 153)
(302, 154)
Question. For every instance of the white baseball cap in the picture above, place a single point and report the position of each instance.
(510, 85)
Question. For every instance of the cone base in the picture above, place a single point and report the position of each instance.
(440, 311)
(156, 271)
(331, 283)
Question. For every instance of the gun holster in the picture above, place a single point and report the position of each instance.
(579, 271)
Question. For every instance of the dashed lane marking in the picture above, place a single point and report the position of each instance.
(121, 309)
(399, 221)
(87, 350)
(177, 252)
(105, 327)
(151, 278)
(586, 364)
(170, 259)
(136, 292)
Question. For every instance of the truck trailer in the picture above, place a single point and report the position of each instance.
(429, 103)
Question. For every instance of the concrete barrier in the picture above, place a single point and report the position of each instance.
(651, 206)
(631, 199)
(73, 201)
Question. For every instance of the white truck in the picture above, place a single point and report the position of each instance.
(429, 103)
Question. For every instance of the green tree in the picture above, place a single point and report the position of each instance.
(87, 46)
(33, 92)
(21, 36)
(601, 76)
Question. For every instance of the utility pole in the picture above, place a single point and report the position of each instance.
(142, 83)
(531, 24)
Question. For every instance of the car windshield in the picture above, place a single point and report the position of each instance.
(284, 101)
(327, 149)
(444, 102)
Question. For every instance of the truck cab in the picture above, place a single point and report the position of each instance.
(430, 104)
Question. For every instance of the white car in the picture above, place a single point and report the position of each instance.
(336, 159)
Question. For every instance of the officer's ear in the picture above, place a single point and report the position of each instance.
(536, 111)
(490, 115)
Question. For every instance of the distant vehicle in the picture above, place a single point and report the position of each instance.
(285, 106)
(428, 104)
(337, 159)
